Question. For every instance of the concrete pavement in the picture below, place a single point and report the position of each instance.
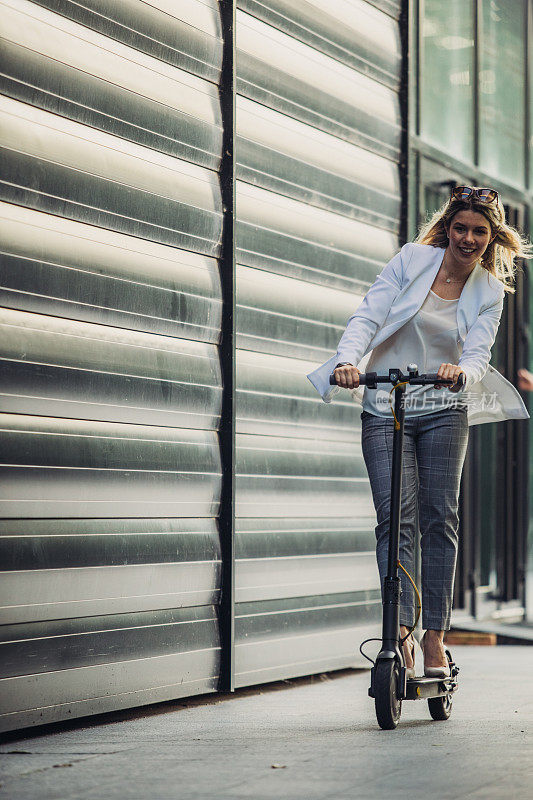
(309, 738)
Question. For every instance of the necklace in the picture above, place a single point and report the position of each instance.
(450, 280)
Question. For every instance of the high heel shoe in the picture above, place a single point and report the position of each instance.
(410, 642)
(434, 672)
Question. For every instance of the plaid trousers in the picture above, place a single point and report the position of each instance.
(434, 450)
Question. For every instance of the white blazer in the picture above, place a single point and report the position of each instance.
(395, 297)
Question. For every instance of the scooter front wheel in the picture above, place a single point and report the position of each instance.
(387, 694)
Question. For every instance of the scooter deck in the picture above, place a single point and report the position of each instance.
(424, 688)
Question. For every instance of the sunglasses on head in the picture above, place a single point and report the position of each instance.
(483, 195)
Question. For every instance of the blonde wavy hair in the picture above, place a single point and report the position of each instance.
(499, 257)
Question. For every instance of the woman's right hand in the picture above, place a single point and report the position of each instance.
(347, 376)
(525, 380)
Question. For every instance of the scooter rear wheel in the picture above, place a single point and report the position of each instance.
(386, 693)
(440, 708)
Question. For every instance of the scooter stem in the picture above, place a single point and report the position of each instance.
(392, 585)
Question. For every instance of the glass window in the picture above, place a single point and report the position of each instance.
(446, 76)
(502, 89)
(436, 183)
(529, 402)
(530, 106)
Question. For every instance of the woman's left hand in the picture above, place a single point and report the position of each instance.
(449, 372)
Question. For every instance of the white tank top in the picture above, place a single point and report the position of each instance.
(428, 339)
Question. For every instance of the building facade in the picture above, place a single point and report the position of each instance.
(195, 197)
(470, 122)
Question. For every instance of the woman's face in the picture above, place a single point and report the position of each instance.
(469, 236)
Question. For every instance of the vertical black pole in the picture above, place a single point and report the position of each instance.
(396, 484)
(227, 351)
(524, 354)
(478, 32)
(416, 116)
(405, 113)
(392, 589)
(528, 98)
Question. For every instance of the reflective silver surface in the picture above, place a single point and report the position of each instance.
(185, 34)
(86, 371)
(123, 186)
(124, 91)
(55, 569)
(313, 87)
(70, 269)
(318, 200)
(72, 468)
(282, 637)
(365, 40)
(275, 398)
(110, 218)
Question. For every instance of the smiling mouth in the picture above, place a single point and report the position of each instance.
(468, 251)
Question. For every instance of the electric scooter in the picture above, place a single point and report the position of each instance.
(389, 684)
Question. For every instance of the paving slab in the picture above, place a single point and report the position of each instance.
(308, 738)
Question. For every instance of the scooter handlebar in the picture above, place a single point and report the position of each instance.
(417, 380)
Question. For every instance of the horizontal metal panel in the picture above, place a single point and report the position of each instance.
(56, 266)
(123, 186)
(351, 32)
(261, 538)
(294, 239)
(272, 495)
(70, 693)
(65, 68)
(331, 649)
(301, 576)
(287, 75)
(278, 153)
(270, 169)
(272, 456)
(53, 468)
(32, 132)
(73, 369)
(299, 478)
(72, 543)
(284, 316)
(282, 496)
(321, 651)
(49, 646)
(186, 34)
(284, 558)
(105, 566)
(82, 394)
(371, 176)
(84, 591)
(275, 397)
(281, 638)
(306, 614)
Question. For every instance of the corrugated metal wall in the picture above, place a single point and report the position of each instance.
(111, 309)
(111, 221)
(318, 199)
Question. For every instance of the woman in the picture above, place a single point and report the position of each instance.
(437, 304)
